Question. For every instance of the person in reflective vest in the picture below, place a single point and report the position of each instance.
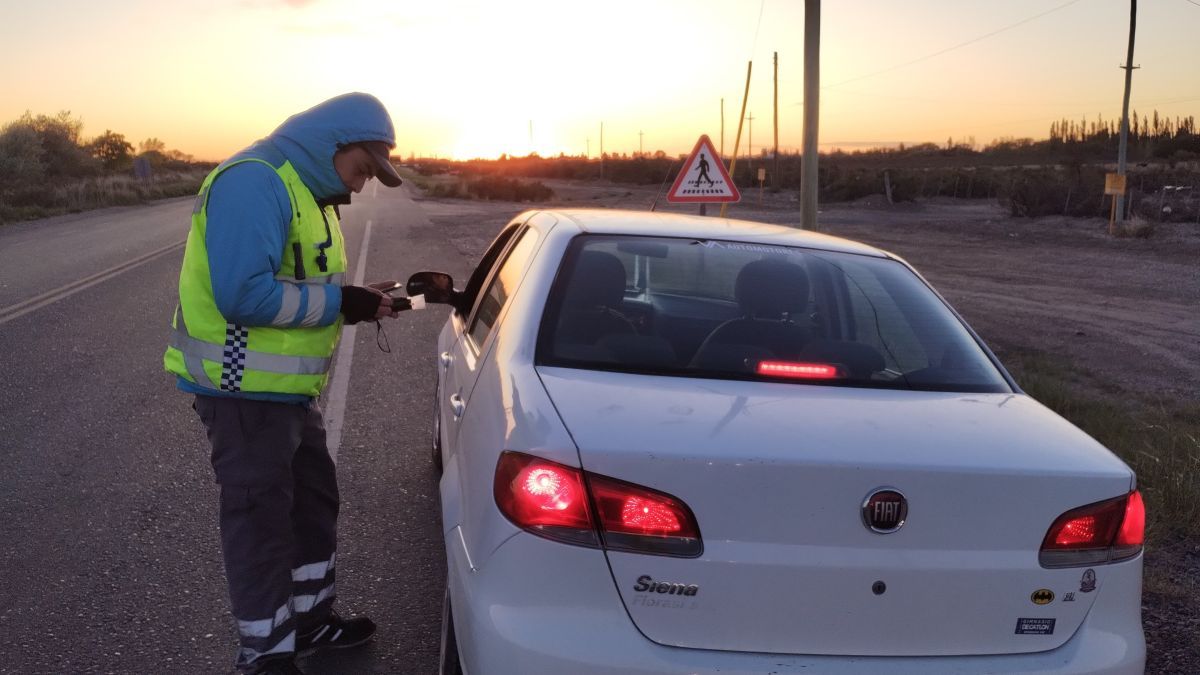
(262, 300)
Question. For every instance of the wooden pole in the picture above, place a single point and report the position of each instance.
(738, 139)
(1119, 202)
(775, 163)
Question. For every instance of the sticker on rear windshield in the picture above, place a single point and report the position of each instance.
(1035, 626)
(752, 248)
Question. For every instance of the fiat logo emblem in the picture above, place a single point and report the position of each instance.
(884, 510)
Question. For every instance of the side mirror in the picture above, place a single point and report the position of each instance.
(437, 287)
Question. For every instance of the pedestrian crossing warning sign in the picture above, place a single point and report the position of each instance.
(703, 178)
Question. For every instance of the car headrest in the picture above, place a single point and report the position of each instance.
(599, 279)
(768, 288)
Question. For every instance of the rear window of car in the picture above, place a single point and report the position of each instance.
(726, 309)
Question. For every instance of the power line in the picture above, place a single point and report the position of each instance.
(1193, 2)
(754, 45)
(949, 49)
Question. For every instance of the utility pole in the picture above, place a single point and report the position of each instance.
(531, 137)
(722, 129)
(737, 140)
(775, 161)
(750, 142)
(602, 151)
(641, 153)
(812, 91)
(589, 148)
(1120, 205)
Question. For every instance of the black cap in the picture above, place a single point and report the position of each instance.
(380, 152)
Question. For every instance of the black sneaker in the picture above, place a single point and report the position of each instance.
(277, 667)
(336, 633)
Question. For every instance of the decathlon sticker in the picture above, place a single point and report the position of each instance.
(703, 178)
(1035, 626)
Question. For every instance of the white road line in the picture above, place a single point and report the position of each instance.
(335, 396)
(66, 290)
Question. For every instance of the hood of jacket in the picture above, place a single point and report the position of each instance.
(309, 139)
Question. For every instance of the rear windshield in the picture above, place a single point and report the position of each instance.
(723, 309)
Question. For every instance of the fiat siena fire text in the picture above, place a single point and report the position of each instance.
(679, 444)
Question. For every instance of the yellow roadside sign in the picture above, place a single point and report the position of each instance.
(1114, 183)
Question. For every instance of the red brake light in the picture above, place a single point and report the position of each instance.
(1098, 533)
(1083, 532)
(552, 500)
(544, 497)
(649, 516)
(1133, 528)
(803, 371)
(634, 518)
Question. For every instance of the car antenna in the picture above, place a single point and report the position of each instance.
(663, 186)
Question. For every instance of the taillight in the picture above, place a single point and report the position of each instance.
(1098, 533)
(545, 498)
(634, 518)
(552, 500)
(794, 370)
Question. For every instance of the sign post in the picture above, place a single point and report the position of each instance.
(703, 179)
(1114, 184)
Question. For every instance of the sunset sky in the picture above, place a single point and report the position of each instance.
(465, 79)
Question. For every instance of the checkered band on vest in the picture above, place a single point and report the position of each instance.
(234, 362)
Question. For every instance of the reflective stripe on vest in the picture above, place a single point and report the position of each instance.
(194, 349)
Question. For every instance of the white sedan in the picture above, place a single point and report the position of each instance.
(677, 444)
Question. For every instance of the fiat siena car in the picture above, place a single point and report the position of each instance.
(679, 444)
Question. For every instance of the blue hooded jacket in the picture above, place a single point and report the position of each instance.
(249, 214)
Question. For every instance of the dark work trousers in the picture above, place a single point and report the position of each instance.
(279, 507)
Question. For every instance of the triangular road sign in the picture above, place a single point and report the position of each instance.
(703, 178)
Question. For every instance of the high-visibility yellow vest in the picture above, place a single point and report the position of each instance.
(214, 353)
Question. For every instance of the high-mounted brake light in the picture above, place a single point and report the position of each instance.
(552, 500)
(1103, 532)
(802, 371)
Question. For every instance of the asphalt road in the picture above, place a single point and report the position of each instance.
(111, 560)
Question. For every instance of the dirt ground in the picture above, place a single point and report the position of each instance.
(1125, 311)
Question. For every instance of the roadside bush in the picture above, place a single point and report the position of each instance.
(453, 190)
(1075, 191)
(21, 157)
(1138, 228)
(508, 189)
(39, 201)
(63, 154)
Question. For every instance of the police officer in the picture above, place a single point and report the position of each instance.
(262, 300)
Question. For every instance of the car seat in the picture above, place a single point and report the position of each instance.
(771, 294)
(592, 301)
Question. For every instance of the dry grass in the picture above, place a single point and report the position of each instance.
(98, 192)
(1160, 440)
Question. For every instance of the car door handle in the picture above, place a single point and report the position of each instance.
(457, 405)
(446, 359)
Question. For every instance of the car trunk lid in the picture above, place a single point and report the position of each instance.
(777, 476)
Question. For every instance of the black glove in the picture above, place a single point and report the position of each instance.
(360, 303)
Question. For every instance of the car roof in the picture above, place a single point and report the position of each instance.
(660, 224)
